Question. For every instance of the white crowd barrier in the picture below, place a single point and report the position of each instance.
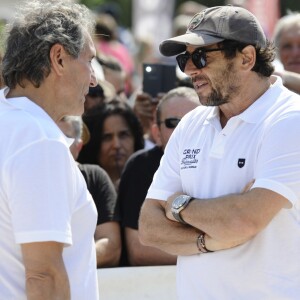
(137, 283)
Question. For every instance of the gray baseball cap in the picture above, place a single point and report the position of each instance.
(216, 24)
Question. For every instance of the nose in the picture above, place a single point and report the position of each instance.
(190, 69)
(93, 82)
(116, 142)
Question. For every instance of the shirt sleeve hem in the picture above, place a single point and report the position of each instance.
(43, 236)
(159, 194)
(276, 187)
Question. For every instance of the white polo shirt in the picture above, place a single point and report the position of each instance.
(205, 161)
(43, 197)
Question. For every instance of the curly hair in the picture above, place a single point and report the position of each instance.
(264, 56)
(37, 27)
(94, 120)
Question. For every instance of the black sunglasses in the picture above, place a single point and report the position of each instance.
(198, 58)
(170, 122)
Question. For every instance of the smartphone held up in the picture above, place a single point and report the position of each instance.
(158, 78)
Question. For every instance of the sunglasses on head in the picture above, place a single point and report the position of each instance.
(198, 58)
(171, 122)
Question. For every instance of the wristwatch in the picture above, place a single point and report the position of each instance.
(178, 205)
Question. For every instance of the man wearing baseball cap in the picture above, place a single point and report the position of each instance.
(226, 197)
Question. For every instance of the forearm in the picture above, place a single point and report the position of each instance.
(156, 230)
(45, 273)
(47, 287)
(140, 255)
(234, 219)
(108, 254)
(150, 256)
(219, 218)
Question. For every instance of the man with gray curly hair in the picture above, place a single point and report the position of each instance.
(47, 217)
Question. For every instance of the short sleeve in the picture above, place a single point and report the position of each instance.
(278, 162)
(40, 192)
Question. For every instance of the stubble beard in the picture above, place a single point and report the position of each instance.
(227, 86)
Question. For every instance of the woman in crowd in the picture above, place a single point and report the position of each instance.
(115, 134)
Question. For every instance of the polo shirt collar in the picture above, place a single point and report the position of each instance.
(25, 104)
(258, 110)
(255, 112)
(32, 108)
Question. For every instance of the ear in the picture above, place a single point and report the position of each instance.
(155, 131)
(57, 58)
(248, 57)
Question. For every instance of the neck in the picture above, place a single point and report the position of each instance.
(247, 96)
(42, 96)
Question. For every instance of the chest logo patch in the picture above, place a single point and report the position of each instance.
(189, 159)
(241, 162)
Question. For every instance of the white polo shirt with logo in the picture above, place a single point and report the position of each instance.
(205, 161)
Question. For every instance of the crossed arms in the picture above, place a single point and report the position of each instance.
(228, 221)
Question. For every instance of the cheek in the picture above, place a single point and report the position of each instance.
(104, 149)
(128, 144)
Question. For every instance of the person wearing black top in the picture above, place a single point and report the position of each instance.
(138, 173)
(107, 233)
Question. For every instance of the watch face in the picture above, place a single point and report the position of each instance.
(180, 201)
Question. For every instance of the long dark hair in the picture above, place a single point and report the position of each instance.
(94, 119)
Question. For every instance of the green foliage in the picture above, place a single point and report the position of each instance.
(125, 8)
(92, 3)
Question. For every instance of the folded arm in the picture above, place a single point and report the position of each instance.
(156, 230)
(140, 255)
(228, 221)
(232, 219)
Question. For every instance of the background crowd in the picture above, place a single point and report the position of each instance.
(121, 136)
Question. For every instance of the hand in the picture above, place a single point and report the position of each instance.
(143, 105)
(144, 108)
(168, 206)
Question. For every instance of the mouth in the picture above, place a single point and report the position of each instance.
(199, 84)
(118, 156)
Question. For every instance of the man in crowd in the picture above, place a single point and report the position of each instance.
(287, 41)
(234, 240)
(47, 216)
(139, 171)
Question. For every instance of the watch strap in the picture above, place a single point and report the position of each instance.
(176, 213)
(178, 217)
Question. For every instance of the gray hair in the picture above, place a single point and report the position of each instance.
(185, 92)
(283, 23)
(39, 25)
